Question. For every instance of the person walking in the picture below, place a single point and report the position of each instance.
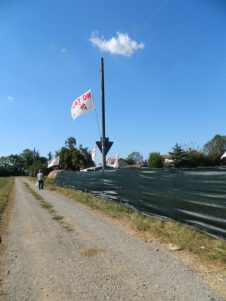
(40, 178)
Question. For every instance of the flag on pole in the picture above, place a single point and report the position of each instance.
(82, 105)
(94, 153)
(223, 156)
(116, 165)
(109, 161)
(54, 162)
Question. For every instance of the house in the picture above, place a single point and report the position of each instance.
(116, 163)
(167, 160)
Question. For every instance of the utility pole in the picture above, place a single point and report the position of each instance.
(104, 144)
(103, 116)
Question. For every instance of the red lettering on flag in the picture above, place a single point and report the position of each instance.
(87, 96)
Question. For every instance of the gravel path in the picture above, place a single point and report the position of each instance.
(86, 257)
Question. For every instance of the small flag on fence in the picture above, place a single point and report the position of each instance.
(54, 162)
(223, 156)
(82, 105)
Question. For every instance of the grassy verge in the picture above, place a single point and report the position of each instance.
(6, 185)
(164, 231)
(40, 199)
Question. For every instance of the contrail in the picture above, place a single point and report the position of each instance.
(152, 16)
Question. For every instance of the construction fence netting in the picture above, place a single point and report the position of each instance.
(196, 197)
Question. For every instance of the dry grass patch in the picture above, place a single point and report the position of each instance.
(89, 252)
(46, 205)
(57, 217)
(68, 227)
(6, 185)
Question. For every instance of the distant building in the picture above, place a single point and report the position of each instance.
(121, 163)
(167, 160)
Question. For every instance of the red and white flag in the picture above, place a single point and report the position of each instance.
(82, 105)
(54, 162)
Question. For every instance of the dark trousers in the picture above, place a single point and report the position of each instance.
(40, 184)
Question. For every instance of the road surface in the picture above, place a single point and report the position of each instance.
(72, 253)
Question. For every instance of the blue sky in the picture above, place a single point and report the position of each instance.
(165, 73)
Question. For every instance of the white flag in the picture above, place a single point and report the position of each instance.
(54, 162)
(116, 165)
(109, 161)
(223, 156)
(82, 104)
(94, 153)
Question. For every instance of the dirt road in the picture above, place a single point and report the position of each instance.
(80, 255)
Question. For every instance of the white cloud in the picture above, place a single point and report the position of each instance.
(121, 45)
(10, 99)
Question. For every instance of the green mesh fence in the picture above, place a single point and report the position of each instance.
(194, 196)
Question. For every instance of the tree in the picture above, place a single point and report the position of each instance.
(215, 148)
(178, 155)
(33, 161)
(12, 165)
(70, 143)
(195, 158)
(50, 156)
(72, 158)
(134, 158)
(85, 157)
(28, 157)
(155, 160)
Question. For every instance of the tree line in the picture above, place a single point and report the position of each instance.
(77, 158)
(209, 155)
(30, 161)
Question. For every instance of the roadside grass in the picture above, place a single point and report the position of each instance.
(165, 231)
(50, 183)
(6, 186)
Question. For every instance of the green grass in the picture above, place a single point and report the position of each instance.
(50, 183)
(6, 185)
(164, 231)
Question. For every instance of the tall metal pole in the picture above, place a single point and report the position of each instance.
(103, 116)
